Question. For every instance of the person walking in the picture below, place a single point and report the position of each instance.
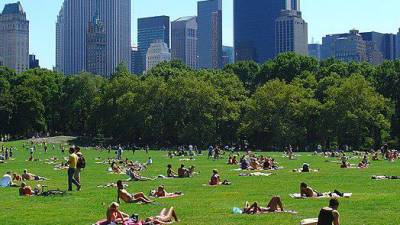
(72, 164)
(81, 164)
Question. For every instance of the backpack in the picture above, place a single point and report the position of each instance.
(81, 162)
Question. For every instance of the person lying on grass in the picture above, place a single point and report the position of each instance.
(216, 180)
(308, 192)
(29, 176)
(329, 215)
(130, 198)
(114, 216)
(166, 216)
(162, 193)
(170, 172)
(274, 205)
(136, 176)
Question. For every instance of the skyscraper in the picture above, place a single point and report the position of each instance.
(72, 28)
(157, 52)
(14, 37)
(291, 33)
(184, 40)
(314, 50)
(150, 29)
(209, 44)
(33, 62)
(254, 28)
(228, 55)
(96, 47)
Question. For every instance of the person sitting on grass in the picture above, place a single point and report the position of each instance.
(115, 168)
(161, 192)
(25, 190)
(114, 216)
(308, 192)
(170, 172)
(191, 171)
(216, 180)
(16, 177)
(166, 216)
(182, 171)
(329, 215)
(130, 198)
(29, 176)
(6, 181)
(274, 205)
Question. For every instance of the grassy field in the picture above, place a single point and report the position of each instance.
(373, 202)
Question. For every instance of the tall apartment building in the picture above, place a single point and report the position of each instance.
(184, 40)
(209, 44)
(72, 29)
(291, 33)
(14, 37)
(150, 29)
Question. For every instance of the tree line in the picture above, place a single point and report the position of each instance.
(291, 99)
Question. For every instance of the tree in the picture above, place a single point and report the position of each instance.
(247, 72)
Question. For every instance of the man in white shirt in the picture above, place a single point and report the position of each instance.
(6, 181)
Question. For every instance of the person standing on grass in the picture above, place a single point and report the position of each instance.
(72, 163)
(81, 164)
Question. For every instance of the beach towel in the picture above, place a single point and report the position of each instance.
(313, 221)
(324, 195)
(256, 174)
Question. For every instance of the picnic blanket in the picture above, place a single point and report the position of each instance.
(256, 174)
(385, 177)
(111, 185)
(313, 221)
(239, 169)
(301, 171)
(324, 195)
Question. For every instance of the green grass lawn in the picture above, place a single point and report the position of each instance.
(373, 202)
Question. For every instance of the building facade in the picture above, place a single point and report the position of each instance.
(96, 47)
(314, 50)
(184, 40)
(209, 44)
(228, 55)
(72, 29)
(291, 33)
(386, 43)
(150, 29)
(254, 27)
(350, 47)
(14, 37)
(33, 62)
(157, 52)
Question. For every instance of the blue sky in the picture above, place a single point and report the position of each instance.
(324, 17)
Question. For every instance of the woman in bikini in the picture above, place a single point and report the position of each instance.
(166, 216)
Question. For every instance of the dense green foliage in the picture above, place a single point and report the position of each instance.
(291, 99)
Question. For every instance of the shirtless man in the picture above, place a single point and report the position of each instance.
(170, 172)
(308, 192)
(329, 215)
(30, 176)
(166, 216)
(274, 205)
(130, 198)
(182, 172)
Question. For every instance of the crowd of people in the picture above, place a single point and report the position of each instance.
(246, 161)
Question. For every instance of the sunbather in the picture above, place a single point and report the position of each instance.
(161, 192)
(136, 176)
(308, 192)
(114, 216)
(274, 205)
(329, 215)
(166, 216)
(29, 176)
(216, 180)
(25, 190)
(130, 198)
(182, 172)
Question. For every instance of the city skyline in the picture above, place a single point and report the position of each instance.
(370, 15)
